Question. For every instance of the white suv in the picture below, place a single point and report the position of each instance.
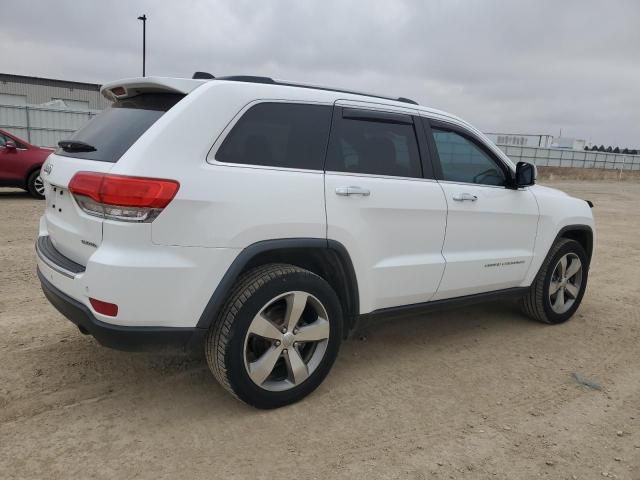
(263, 220)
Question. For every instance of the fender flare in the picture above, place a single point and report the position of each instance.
(577, 228)
(239, 264)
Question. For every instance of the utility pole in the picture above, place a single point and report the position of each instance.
(144, 42)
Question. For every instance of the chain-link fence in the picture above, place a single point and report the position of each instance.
(43, 126)
(558, 157)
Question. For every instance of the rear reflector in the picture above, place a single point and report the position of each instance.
(105, 308)
(118, 197)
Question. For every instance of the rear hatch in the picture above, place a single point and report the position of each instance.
(74, 232)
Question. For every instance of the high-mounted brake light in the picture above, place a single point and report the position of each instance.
(119, 197)
(119, 91)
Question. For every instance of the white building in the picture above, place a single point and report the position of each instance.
(521, 139)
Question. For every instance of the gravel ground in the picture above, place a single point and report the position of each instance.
(473, 393)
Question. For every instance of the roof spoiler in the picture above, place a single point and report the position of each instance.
(130, 87)
(135, 86)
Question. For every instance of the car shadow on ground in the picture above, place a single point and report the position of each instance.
(188, 377)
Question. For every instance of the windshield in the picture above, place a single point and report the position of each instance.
(113, 131)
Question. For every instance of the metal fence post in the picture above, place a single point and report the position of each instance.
(26, 109)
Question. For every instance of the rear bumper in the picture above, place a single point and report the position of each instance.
(121, 337)
(55, 260)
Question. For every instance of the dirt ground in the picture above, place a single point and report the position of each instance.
(480, 392)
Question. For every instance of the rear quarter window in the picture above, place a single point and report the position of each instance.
(116, 129)
(287, 135)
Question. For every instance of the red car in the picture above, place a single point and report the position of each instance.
(20, 164)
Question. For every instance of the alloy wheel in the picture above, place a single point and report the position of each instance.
(38, 185)
(565, 284)
(286, 341)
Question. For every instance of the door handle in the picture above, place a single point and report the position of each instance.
(462, 197)
(351, 191)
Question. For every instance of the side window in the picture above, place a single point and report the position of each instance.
(463, 161)
(374, 147)
(279, 135)
(3, 140)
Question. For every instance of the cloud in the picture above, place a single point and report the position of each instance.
(506, 66)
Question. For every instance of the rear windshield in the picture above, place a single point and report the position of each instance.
(118, 127)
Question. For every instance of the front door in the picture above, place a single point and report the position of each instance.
(491, 228)
(382, 207)
(11, 170)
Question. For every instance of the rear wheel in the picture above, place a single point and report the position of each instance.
(558, 289)
(35, 185)
(277, 336)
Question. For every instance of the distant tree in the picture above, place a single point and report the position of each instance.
(625, 150)
(633, 152)
(609, 149)
(601, 148)
(616, 150)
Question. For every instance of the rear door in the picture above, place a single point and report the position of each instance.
(491, 227)
(383, 204)
(105, 139)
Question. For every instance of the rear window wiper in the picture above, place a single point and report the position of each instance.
(76, 146)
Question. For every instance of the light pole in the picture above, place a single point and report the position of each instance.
(144, 42)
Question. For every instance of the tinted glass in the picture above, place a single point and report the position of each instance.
(378, 148)
(279, 135)
(463, 161)
(118, 127)
(3, 140)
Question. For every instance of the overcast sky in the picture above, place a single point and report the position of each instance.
(506, 66)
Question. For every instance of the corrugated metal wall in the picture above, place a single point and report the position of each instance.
(22, 114)
(41, 90)
(43, 126)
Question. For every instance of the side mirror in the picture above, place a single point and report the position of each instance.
(10, 145)
(526, 174)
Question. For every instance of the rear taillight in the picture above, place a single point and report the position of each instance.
(118, 197)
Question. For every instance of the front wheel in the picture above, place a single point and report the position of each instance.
(35, 185)
(558, 289)
(277, 337)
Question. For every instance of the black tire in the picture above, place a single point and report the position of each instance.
(537, 303)
(31, 185)
(225, 343)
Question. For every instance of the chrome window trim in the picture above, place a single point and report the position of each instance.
(216, 163)
(504, 187)
(374, 175)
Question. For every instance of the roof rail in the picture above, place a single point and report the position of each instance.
(271, 81)
(248, 79)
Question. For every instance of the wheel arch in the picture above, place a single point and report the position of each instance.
(328, 259)
(31, 170)
(583, 234)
